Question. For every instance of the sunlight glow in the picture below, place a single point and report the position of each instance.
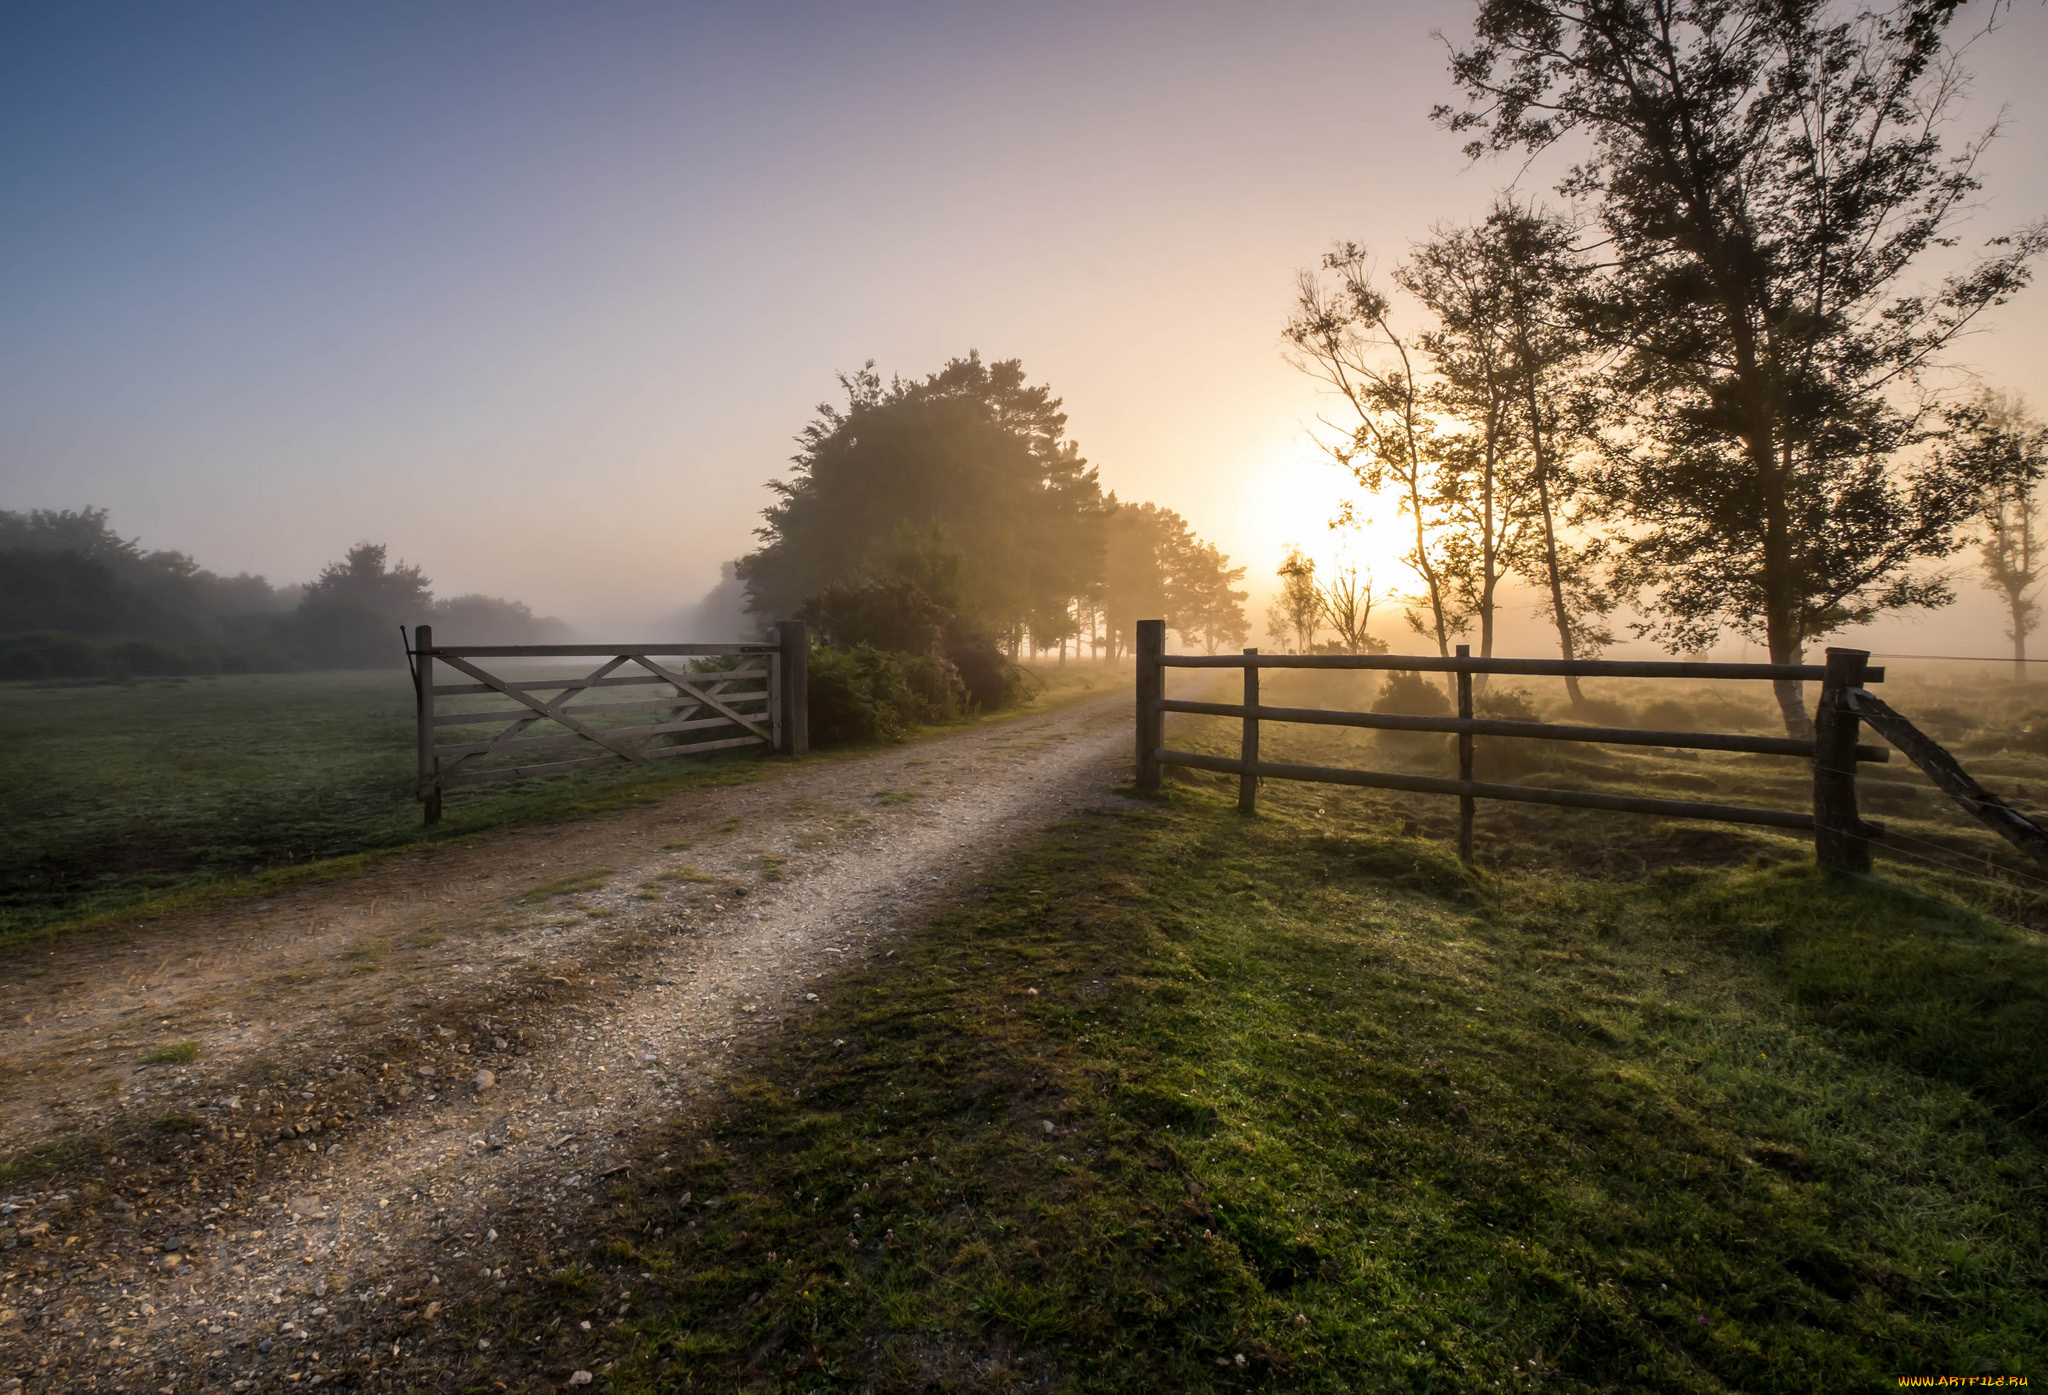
(1291, 495)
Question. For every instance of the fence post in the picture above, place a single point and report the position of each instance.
(423, 680)
(1151, 688)
(793, 642)
(1465, 759)
(1838, 841)
(1248, 752)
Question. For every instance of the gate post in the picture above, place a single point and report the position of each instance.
(793, 640)
(1248, 750)
(1838, 841)
(1465, 758)
(1151, 688)
(423, 681)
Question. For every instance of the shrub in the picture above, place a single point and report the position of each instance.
(1504, 757)
(1412, 695)
(882, 613)
(893, 614)
(1506, 705)
(1668, 714)
(861, 693)
(991, 680)
(49, 654)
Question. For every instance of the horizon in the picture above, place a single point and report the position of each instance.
(505, 288)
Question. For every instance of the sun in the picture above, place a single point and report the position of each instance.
(1291, 495)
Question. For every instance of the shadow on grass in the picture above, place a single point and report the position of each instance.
(1900, 974)
(1193, 1102)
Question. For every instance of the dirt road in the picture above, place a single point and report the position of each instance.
(372, 1096)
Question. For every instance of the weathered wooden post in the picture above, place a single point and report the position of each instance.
(1248, 752)
(1465, 758)
(423, 680)
(1838, 841)
(793, 681)
(1151, 688)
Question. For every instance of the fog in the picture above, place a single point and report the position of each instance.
(538, 299)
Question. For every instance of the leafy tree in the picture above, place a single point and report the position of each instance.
(972, 450)
(2009, 446)
(1460, 277)
(365, 580)
(1296, 612)
(1343, 335)
(1155, 567)
(474, 619)
(1767, 173)
(1540, 274)
(1208, 609)
(351, 610)
(157, 593)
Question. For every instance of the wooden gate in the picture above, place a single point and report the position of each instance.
(714, 696)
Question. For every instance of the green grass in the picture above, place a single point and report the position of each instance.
(567, 886)
(1321, 1099)
(177, 1053)
(115, 797)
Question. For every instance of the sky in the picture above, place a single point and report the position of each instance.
(538, 295)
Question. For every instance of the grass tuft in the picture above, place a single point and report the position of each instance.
(177, 1053)
(567, 886)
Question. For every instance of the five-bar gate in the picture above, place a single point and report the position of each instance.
(747, 694)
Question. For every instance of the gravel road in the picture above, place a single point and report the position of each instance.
(406, 1082)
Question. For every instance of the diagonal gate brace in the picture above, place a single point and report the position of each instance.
(1942, 768)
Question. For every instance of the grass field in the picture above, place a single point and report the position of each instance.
(1190, 1101)
(114, 794)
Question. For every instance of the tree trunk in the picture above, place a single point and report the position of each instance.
(1782, 629)
(1565, 646)
(2015, 604)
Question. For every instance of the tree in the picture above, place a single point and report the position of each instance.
(365, 580)
(972, 450)
(1207, 607)
(1295, 614)
(1343, 335)
(477, 619)
(1460, 277)
(350, 610)
(1345, 604)
(1155, 567)
(1767, 172)
(2010, 446)
(1541, 275)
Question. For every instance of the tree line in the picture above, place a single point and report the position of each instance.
(1710, 388)
(78, 600)
(950, 515)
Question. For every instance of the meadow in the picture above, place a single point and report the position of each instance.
(119, 796)
(1197, 1101)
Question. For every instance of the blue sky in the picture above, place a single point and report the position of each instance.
(539, 294)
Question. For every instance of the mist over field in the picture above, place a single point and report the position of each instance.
(540, 308)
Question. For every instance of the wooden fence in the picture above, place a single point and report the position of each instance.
(1841, 838)
(758, 700)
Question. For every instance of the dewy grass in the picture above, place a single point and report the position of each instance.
(567, 886)
(116, 797)
(1191, 1101)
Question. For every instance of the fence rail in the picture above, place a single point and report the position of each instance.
(759, 701)
(1841, 837)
